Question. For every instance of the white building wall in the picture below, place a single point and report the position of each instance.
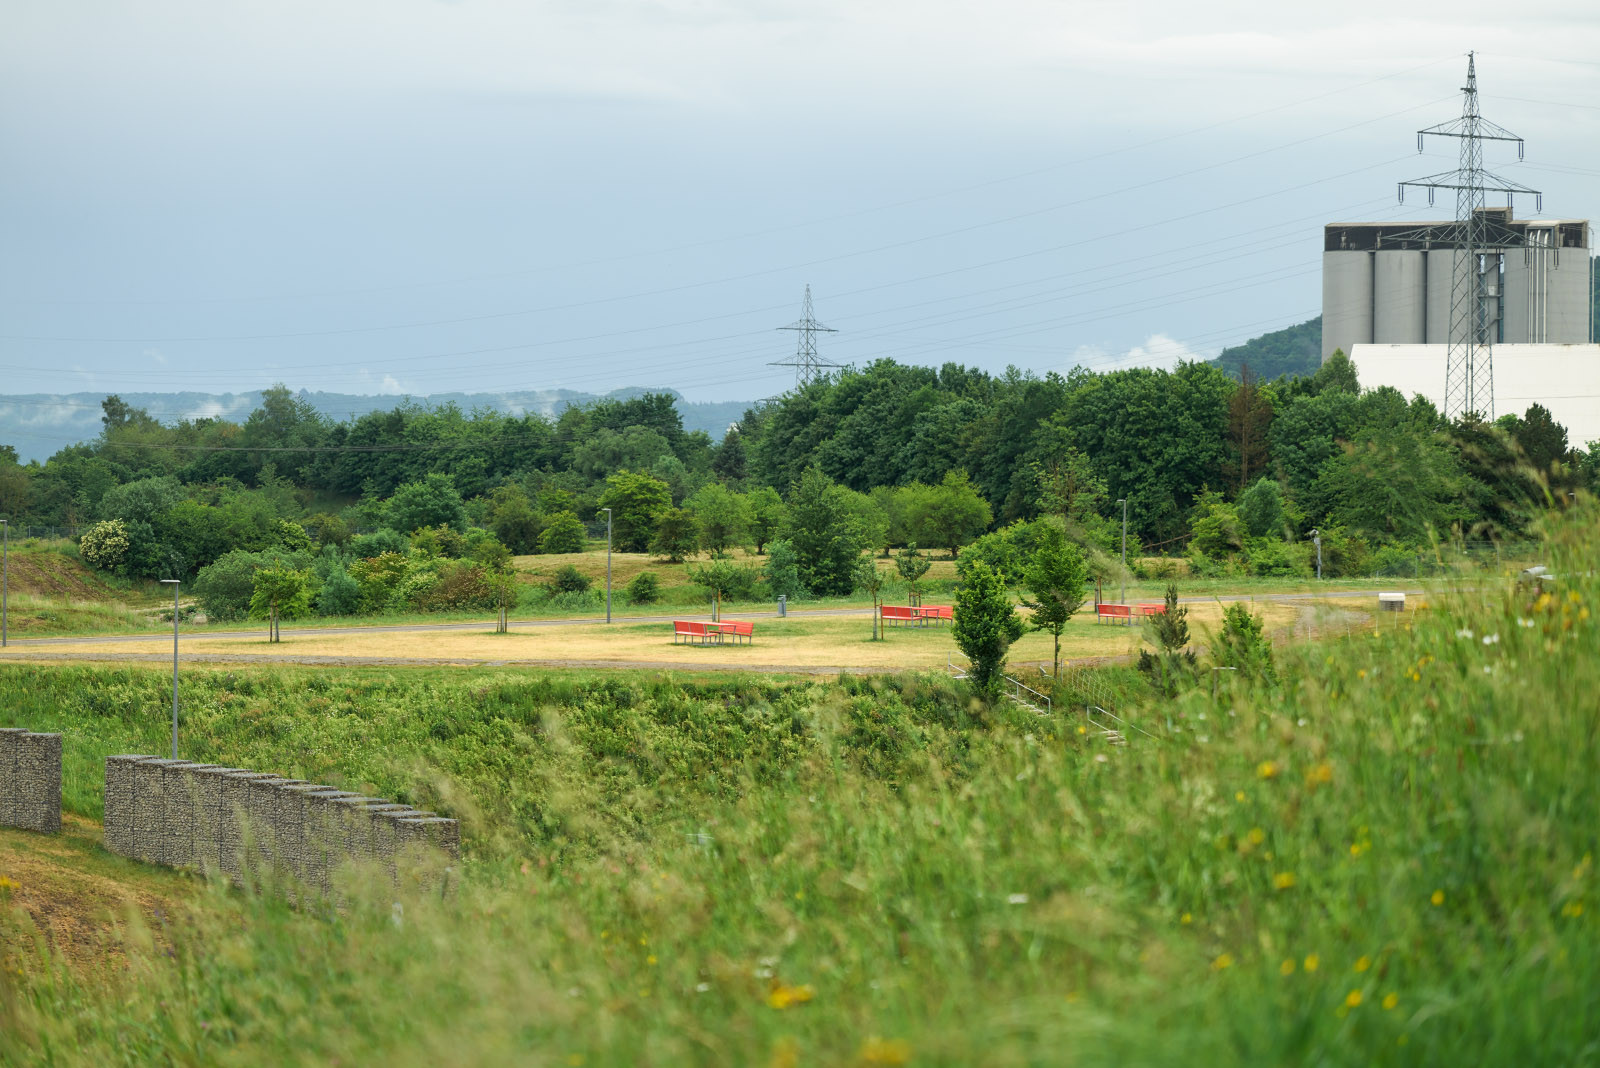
(1563, 378)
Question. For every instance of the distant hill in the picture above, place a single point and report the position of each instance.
(1294, 350)
(39, 424)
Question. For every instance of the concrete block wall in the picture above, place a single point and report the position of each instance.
(234, 822)
(30, 780)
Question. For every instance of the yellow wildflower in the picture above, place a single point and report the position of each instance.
(1286, 968)
(1352, 999)
(1320, 775)
(891, 1051)
(1437, 898)
(7, 884)
(1223, 961)
(1267, 769)
(781, 996)
(1361, 673)
(1572, 909)
(1312, 960)
(1363, 963)
(651, 960)
(1283, 880)
(1186, 919)
(1238, 795)
(1390, 1001)
(1256, 836)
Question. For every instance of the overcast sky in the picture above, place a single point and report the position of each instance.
(412, 196)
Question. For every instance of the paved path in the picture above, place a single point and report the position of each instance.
(254, 634)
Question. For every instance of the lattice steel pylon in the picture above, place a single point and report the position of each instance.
(1469, 353)
(805, 361)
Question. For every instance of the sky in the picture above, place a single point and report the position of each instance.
(407, 196)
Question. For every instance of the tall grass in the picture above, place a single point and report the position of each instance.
(1386, 857)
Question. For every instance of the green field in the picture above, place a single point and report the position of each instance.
(1385, 856)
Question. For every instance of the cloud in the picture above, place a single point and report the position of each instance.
(1158, 351)
(391, 386)
(157, 355)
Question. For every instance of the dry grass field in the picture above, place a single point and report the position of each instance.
(800, 641)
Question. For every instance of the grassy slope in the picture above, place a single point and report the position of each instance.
(1386, 858)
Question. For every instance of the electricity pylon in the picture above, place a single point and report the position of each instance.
(1469, 353)
(805, 361)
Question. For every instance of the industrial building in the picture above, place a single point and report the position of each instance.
(1391, 283)
(1563, 378)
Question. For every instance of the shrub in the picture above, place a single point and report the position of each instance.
(379, 577)
(563, 533)
(291, 536)
(1270, 557)
(644, 589)
(105, 545)
(1242, 645)
(783, 570)
(224, 587)
(569, 579)
(985, 625)
(457, 586)
(380, 541)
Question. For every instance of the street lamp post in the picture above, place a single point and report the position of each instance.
(608, 564)
(1316, 539)
(1123, 597)
(174, 583)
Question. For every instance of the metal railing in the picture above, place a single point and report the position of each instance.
(1040, 703)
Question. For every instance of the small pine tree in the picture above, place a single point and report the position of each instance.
(1172, 664)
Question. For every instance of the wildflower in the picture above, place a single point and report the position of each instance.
(1363, 963)
(1361, 673)
(1186, 919)
(1256, 836)
(1390, 1000)
(651, 960)
(1082, 729)
(1286, 968)
(702, 988)
(7, 884)
(885, 1051)
(1437, 898)
(1525, 623)
(1017, 899)
(1572, 909)
(781, 996)
(1311, 962)
(1223, 961)
(1238, 795)
(1267, 769)
(1465, 632)
(1320, 775)
(1283, 880)
(1491, 639)
(1352, 999)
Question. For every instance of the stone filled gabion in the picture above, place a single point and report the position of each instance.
(30, 780)
(235, 822)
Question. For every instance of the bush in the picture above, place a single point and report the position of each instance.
(563, 533)
(105, 545)
(458, 586)
(379, 577)
(291, 536)
(644, 589)
(383, 540)
(224, 587)
(1270, 557)
(783, 571)
(676, 538)
(569, 579)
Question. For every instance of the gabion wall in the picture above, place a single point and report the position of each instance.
(30, 780)
(232, 821)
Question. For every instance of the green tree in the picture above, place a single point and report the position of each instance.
(826, 540)
(563, 533)
(277, 593)
(720, 517)
(724, 578)
(1260, 508)
(985, 625)
(514, 521)
(1242, 643)
(429, 502)
(949, 514)
(912, 565)
(1055, 576)
(637, 502)
(767, 516)
(1393, 483)
(869, 580)
(782, 571)
(644, 589)
(287, 534)
(676, 538)
(1249, 421)
(339, 594)
(1543, 440)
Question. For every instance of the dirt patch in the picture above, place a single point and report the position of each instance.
(83, 902)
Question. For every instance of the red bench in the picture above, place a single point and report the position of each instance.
(1153, 609)
(938, 613)
(698, 633)
(739, 629)
(1116, 613)
(897, 614)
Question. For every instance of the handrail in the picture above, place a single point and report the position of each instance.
(1092, 709)
(1049, 706)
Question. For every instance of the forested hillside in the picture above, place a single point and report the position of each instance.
(1235, 474)
(1294, 350)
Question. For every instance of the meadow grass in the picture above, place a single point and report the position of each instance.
(1384, 856)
